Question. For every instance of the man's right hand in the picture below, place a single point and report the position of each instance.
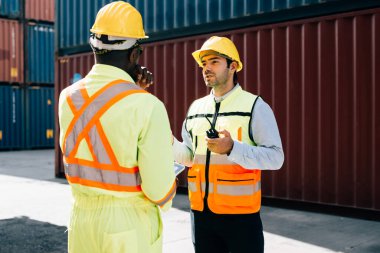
(144, 77)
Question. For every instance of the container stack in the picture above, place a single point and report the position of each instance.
(26, 74)
(314, 61)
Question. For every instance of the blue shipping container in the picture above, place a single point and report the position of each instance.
(11, 118)
(10, 8)
(76, 17)
(74, 21)
(39, 117)
(166, 19)
(40, 58)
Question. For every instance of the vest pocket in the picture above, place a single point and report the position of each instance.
(194, 187)
(235, 189)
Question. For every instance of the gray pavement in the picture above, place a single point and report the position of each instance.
(35, 208)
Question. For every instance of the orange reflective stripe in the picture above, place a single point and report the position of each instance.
(169, 196)
(99, 113)
(74, 110)
(106, 144)
(84, 107)
(239, 134)
(104, 172)
(111, 187)
(83, 91)
(71, 104)
(91, 148)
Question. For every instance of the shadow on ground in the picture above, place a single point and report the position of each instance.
(341, 234)
(337, 233)
(21, 234)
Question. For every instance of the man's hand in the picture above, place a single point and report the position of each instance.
(222, 145)
(144, 77)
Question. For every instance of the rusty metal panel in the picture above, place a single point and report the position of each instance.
(40, 10)
(319, 75)
(11, 52)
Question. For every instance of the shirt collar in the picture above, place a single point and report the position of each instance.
(220, 99)
(111, 72)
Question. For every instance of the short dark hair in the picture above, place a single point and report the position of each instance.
(229, 61)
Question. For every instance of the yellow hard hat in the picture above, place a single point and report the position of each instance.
(119, 19)
(220, 45)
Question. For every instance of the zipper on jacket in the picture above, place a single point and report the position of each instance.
(208, 156)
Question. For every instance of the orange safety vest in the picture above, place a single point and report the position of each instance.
(224, 186)
(103, 171)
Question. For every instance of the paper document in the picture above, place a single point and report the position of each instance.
(178, 168)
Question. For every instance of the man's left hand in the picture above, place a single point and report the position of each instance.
(222, 145)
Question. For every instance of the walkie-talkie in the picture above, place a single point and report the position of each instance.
(212, 133)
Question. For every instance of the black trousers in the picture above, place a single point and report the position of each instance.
(226, 233)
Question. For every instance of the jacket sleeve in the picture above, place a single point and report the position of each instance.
(182, 151)
(155, 158)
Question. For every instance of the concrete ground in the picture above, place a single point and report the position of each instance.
(35, 208)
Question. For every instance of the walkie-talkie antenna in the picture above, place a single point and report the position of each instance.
(211, 133)
(209, 122)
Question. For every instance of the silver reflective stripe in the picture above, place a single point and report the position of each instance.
(238, 190)
(99, 150)
(103, 176)
(203, 186)
(214, 159)
(192, 186)
(77, 98)
(211, 188)
(90, 111)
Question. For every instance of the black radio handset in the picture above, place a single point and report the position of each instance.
(212, 133)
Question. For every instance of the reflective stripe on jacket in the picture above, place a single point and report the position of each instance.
(104, 170)
(116, 138)
(226, 187)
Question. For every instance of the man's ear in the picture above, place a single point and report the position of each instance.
(233, 66)
(134, 55)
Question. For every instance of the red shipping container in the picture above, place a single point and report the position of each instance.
(319, 75)
(11, 51)
(41, 10)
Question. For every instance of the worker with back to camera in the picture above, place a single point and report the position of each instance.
(116, 144)
(229, 137)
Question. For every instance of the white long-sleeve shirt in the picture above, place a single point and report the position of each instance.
(267, 155)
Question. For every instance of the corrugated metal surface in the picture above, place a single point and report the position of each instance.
(42, 10)
(319, 76)
(74, 21)
(40, 61)
(11, 115)
(11, 52)
(10, 8)
(39, 117)
(169, 19)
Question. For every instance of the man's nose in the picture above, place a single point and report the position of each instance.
(206, 67)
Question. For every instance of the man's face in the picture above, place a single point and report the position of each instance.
(215, 71)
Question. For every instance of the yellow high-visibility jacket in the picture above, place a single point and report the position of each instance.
(116, 143)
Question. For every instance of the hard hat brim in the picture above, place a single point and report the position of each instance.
(197, 56)
(99, 31)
